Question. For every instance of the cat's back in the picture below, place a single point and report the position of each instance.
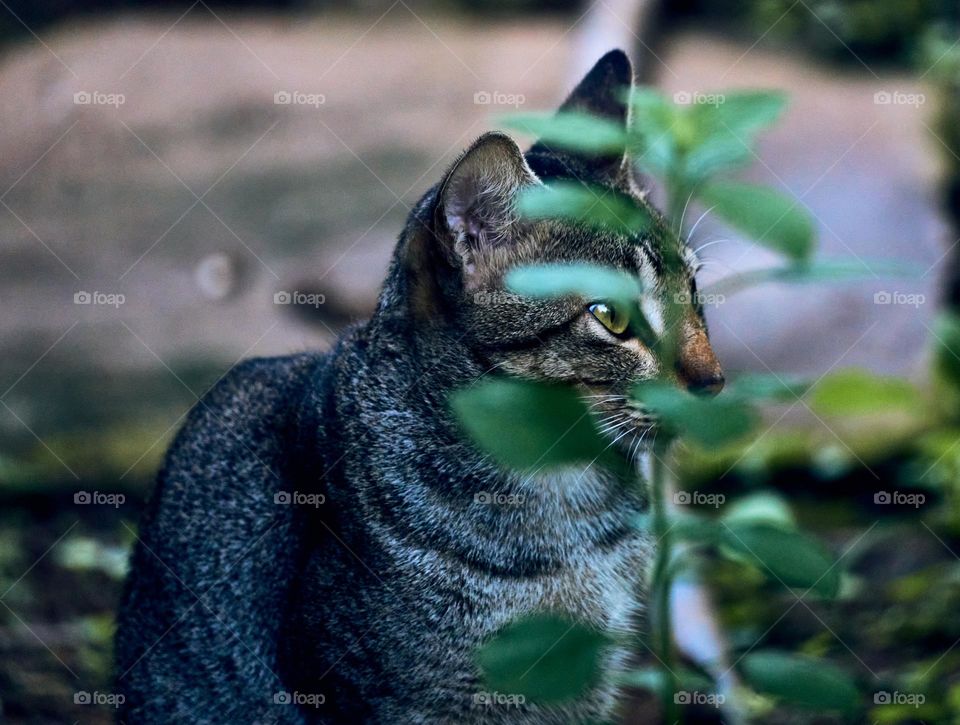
(216, 551)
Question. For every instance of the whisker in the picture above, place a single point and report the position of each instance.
(709, 244)
(606, 430)
(635, 449)
(487, 372)
(683, 214)
(702, 217)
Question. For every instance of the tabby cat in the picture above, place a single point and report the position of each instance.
(325, 545)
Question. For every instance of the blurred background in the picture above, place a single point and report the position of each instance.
(183, 185)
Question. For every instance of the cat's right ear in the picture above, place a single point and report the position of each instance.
(603, 93)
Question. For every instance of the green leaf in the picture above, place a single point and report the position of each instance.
(711, 422)
(820, 270)
(724, 153)
(764, 387)
(803, 681)
(530, 426)
(770, 218)
(740, 112)
(725, 131)
(589, 281)
(947, 354)
(571, 130)
(763, 507)
(655, 679)
(692, 528)
(791, 557)
(543, 657)
(647, 678)
(595, 206)
(860, 392)
(654, 131)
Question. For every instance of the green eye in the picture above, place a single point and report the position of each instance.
(612, 318)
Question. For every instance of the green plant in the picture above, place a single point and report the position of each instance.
(689, 149)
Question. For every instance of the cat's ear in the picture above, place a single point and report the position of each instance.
(470, 221)
(603, 92)
(477, 199)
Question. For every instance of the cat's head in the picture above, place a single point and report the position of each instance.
(472, 236)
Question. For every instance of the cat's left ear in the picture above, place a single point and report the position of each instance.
(476, 208)
(603, 92)
(472, 222)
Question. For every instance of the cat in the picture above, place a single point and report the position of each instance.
(324, 543)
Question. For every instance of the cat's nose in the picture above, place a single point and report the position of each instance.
(707, 385)
(697, 367)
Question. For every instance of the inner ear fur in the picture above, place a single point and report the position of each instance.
(476, 207)
(475, 212)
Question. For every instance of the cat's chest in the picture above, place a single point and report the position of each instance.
(603, 588)
(589, 529)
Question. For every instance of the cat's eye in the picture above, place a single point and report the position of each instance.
(611, 317)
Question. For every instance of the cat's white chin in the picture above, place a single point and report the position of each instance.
(632, 434)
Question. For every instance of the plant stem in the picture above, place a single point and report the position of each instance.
(661, 586)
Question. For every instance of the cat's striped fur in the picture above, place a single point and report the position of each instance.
(369, 605)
